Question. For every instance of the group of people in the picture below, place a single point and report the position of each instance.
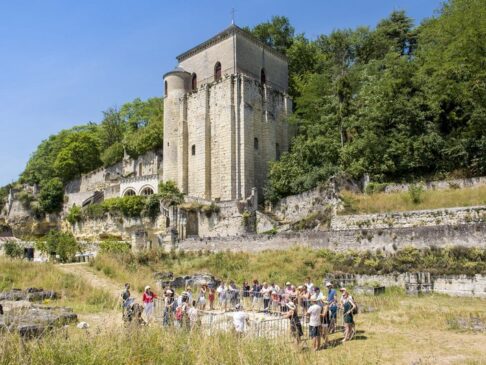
(304, 302)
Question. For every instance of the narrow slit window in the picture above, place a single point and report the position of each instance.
(217, 71)
(194, 82)
(193, 150)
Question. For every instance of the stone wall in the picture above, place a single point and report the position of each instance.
(454, 285)
(420, 218)
(442, 184)
(296, 207)
(388, 240)
(141, 232)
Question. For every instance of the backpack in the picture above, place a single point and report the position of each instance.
(355, 309)
(179, 313)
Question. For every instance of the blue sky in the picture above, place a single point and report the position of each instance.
(63, 62)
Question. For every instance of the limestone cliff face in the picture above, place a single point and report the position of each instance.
(141, 232)
(24, 223)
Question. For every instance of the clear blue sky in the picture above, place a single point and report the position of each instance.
(63, 62)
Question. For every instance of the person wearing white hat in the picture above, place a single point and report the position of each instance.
(148, 302)
(295, 325)
(240, 319)
(314, 312)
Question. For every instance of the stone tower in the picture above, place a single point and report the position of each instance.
(225, 116)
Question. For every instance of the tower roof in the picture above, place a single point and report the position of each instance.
(228, 32)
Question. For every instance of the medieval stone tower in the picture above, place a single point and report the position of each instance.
(225, 116)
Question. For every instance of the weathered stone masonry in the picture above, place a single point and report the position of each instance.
(222, 128)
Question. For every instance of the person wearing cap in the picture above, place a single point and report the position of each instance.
(240, 319)
(348, 306)
(148, 302)
(314, 313)
(168, 305)
(295, 325)
(332, 300)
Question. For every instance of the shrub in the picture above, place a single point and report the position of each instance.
(416, 192)
(114, 246)
(13, 250)
(74, 215)
(152, 207)
(60, 243)
(374, 187)
(95, 211)
(170, 194)
(25, 198)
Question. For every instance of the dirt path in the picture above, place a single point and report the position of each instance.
(103, 319)
(82, 270)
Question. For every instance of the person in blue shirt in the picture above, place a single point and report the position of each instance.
(333, 307)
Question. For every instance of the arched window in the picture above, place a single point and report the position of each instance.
(194, 82)
(217, 71)
(255, 143)
(147, 191)
(263, 77)
(129, 192)
(193, 150)
(166, 88)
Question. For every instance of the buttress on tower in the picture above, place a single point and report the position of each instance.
(225, 116)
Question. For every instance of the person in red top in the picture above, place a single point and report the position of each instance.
(148, 302)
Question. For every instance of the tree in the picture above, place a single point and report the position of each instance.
(79, 154)
(277, 33)
(170, 193)
(13, 250)
(51, 195)
(145, 125)
(61, 244)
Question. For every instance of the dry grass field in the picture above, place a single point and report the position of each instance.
(392, 329)
(397, 202)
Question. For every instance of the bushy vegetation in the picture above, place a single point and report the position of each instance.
(412, 200)
(13, 250)
(396, 102)
(129, 206)
(61, 244)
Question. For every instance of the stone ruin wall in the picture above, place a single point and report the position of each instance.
(454, 285)
(440, 185)
(388, 240)
(296, 207)
(419, 218)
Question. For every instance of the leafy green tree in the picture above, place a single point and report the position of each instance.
(112, 154)
(79, 154)
(51, 195)
(170, 193)
(145, 125)
(277, 33)
(59, 243)
(13, 250)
